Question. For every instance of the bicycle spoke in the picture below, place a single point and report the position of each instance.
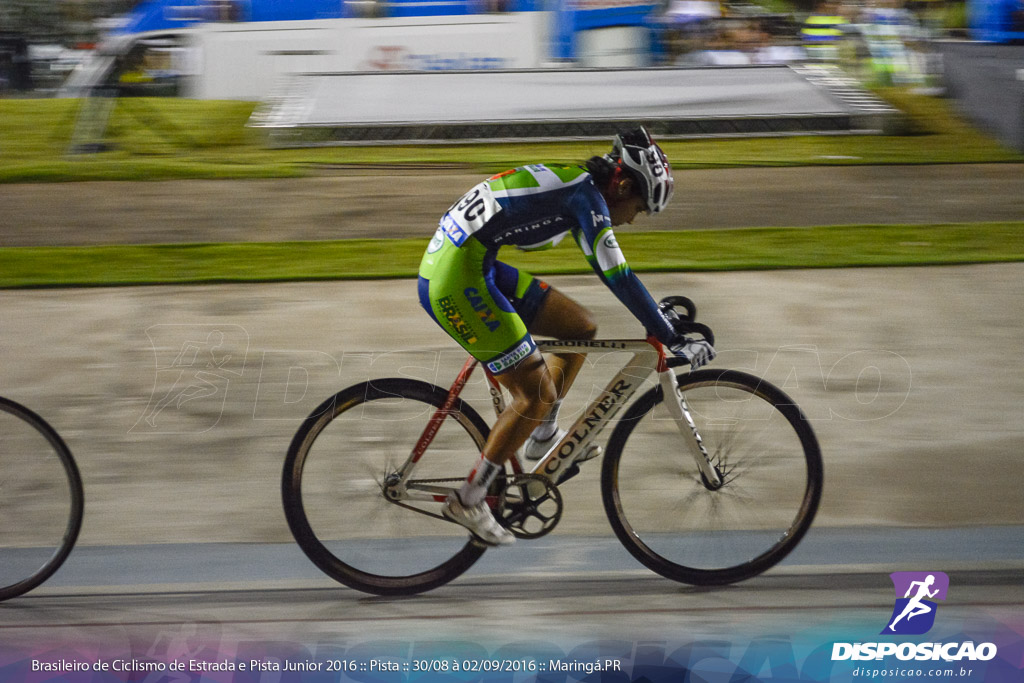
(377, 534)
(703, 534)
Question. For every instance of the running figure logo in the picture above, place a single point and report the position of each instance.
(195, 366)
(914, 612)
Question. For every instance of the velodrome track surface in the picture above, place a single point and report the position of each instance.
(538, 608)
(907, 374)
(407, 203)
(904, 373)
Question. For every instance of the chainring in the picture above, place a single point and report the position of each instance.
(530, 506)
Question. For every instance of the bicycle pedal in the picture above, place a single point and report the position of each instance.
(593, 451)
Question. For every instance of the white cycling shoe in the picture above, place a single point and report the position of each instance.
(478, 519)
(535, 450)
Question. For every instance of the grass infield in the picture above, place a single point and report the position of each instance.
(710, 250)
(153, 139)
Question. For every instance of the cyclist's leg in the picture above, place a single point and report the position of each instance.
(547, 312)
(532, 392)
(562, 318)
(532, 389)
(457, 289)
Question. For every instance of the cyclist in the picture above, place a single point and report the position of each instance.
(493, 309)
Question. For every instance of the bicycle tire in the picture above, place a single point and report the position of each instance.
(389, 579)
(662, 511)
(76, 505)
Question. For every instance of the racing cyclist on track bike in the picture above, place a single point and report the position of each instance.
(493, 309)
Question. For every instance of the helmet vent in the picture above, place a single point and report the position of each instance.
(646, 162)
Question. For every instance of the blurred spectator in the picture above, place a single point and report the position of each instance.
(490, 6)
(894, 43)
(778, 53)
(823, 32)
(740, 41)
(734, 45)
(225, 10)
(364, 9)
(685, 26)
(682, 12)
(151, 68)
(15, 65)
(131, 74)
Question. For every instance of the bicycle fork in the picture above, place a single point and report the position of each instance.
(680, 412)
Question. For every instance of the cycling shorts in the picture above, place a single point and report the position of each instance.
(483, 304)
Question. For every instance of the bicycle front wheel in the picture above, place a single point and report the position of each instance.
(334, 487)
(41, 500)
(687, 530)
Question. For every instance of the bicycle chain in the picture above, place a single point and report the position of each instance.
(516, 528)
(435, 515)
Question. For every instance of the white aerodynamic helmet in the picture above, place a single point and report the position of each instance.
(641, 156)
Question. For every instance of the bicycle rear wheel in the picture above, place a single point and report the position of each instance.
(665, 515)
(333, 487)
(41, 500)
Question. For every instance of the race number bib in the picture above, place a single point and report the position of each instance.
(470, 213)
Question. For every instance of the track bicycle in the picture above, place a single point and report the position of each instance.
(709, 477)
(41, 500)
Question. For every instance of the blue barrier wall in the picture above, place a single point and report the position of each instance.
(996, 21)
(573, 16)
(163, 15)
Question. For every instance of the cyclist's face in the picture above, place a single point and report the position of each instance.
(624, 211)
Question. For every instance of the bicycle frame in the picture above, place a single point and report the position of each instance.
(744, 531)
(648, 357)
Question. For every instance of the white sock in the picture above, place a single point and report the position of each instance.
(474, 489)
(546, 429)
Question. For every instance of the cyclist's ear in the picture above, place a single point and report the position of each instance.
(621, 185)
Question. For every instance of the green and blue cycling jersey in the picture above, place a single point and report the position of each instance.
(487, 305)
